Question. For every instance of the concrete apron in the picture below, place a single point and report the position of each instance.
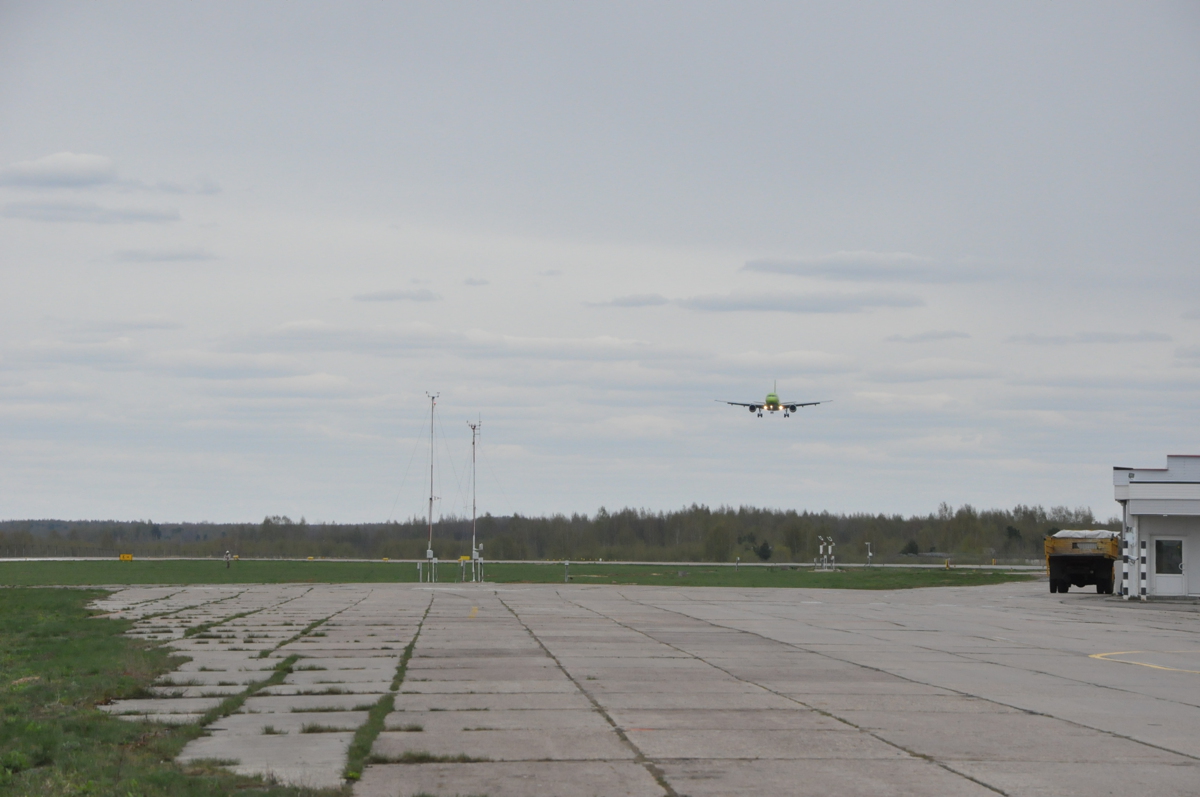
(583, 690)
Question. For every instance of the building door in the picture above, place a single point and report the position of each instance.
(1169, 578)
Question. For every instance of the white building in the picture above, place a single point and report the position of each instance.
(1162, 527)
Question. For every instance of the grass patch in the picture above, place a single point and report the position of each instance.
(411, 727)
(780, 576)
(57, 662)
(149, 571)
(422, 757)
(316, 727)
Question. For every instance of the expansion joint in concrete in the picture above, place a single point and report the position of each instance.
(170, 612)
(961, 693)
(359, 752)
(313, 626)
(199, 629)
(787, 697)
(639, 756)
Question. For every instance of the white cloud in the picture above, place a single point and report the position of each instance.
(187, 254)
(641, 426)
(783, 363)
(932, 369)
(907, 401)
(475, 281)
(1091, 337)
(143, 324)
(418, 340)
(86, 213)
(61, 170)
(308, 385)
(124, 354)
(863, 266)
(201, 185)
(419, 295)
(199, 364)
(635, 300)
(800, 302)
(72, 170)
(927, 337)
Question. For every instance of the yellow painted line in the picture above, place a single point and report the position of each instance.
(1105, 657)
(474, 611)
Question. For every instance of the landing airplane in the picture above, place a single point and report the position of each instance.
(773, 404)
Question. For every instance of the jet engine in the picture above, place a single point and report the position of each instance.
(792, 408)
(752, 408)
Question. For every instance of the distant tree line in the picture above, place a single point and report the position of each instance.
(694, 534)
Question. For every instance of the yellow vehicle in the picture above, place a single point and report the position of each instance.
(1082, 557)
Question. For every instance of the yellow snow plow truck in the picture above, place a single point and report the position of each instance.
(1082, 557)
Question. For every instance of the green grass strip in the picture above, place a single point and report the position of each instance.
(232, 703)
(308, 629)
(364, 738)
(193, 630)
(57, 662)
(422, 757)
(697, 574)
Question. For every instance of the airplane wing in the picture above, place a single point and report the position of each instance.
(803, 403)
(738, 403)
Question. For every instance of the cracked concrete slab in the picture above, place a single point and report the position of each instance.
(502, 779)
(313, 760)
(535, 719)
(508, 745)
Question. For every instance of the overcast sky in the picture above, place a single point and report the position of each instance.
(240, 241)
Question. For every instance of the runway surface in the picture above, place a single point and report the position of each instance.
(605, 690)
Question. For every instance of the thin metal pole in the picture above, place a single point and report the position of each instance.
(474, 432)
(432, 402)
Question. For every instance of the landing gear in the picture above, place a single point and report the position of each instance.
(760, 415)
(787, 414)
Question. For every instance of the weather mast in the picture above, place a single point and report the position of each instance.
(430, 560)
(476, 551)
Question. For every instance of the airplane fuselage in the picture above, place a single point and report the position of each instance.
(771, 404)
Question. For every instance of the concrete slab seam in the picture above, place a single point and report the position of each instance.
(358, 755)
(204, 627)
(639, 757)
(993, 701)
(780, 694)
